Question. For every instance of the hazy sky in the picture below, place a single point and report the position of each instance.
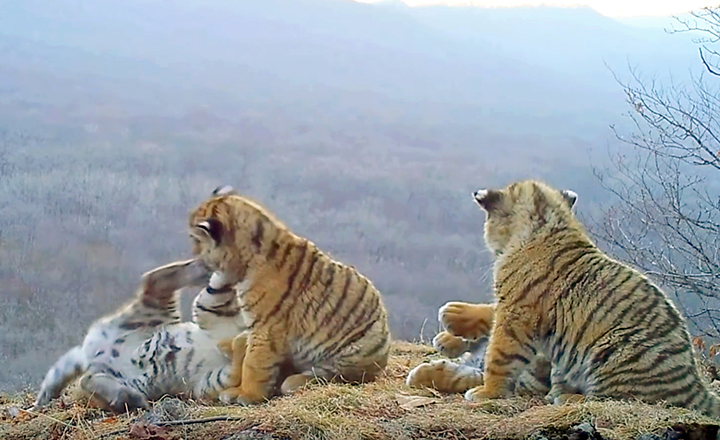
(611, 8)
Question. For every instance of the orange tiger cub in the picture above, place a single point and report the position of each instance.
(607, 329)
(309, 316)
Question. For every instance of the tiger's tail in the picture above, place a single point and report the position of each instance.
(71, 365)
(708, 402)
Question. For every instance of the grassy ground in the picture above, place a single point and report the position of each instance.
(385, 409)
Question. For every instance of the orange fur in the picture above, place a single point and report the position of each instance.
(309, 316)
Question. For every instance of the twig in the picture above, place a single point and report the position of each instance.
(183, 422)
(47, 417)
(707, 65)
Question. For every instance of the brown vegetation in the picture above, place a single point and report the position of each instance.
(385, 409)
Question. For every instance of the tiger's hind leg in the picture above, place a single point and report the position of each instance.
(509, 352)
(295, 382)
(445, 376)
(71, 365)
(466, 320)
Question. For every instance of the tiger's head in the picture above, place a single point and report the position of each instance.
(230, 233)
(520, 211)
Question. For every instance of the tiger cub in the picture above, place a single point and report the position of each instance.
(142, 351)
(467, 332)
(309, 316)
(608, 330)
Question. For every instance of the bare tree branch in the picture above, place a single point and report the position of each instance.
(666, 216)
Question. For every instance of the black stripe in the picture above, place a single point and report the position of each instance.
(375, 349)
(258, 234)
(224, 313)
(272, 252)
(291, 281)
(348, 277)
(622, 316)
(507, 359)
(644, 378)
(341, 343)
(594, 316)
(224, 289)
(667, 328)
(326, 292)
(304, 283)
(286, 254)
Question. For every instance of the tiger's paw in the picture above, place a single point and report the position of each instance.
(568, 399)
(466, 320)
(448, 345)
(235, 396)
(295, 382)
(478, 394)
(226, 346)
(444, 376)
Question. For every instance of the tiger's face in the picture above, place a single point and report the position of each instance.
(520, 210)
(210, 225)
(230, 233)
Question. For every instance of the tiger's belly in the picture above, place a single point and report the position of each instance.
(182, 360)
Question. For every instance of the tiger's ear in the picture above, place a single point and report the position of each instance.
(570, 197)
(211, 229)
(488, 199)
(225, 190)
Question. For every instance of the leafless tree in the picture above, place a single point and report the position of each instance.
(666, 215)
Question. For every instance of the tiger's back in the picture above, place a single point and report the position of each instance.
(309, 316)
(607, 329)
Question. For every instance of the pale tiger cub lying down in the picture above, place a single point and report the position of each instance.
(608, 330)
(467, 331)
(142, 351)
(309, 316)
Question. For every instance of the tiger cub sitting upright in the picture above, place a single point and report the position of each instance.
(467, 329)
(143, 351)
(308, 315)
(607, 329)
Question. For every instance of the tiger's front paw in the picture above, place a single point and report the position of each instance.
(235, 396)
(478, 393)
(448, 345)
(226, 347)
(465, 320)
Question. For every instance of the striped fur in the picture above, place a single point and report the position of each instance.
(143, 351)
(466, 337)
(309, 316)
(607, 329)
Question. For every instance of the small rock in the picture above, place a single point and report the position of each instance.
(14, 411)
(673, 434)
(166, 410)
(648, 436)
(250, 434)
(583, 431)
(537, 435)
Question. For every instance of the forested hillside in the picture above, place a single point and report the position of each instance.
(363, 127)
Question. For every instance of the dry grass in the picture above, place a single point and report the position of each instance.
(371, 411)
